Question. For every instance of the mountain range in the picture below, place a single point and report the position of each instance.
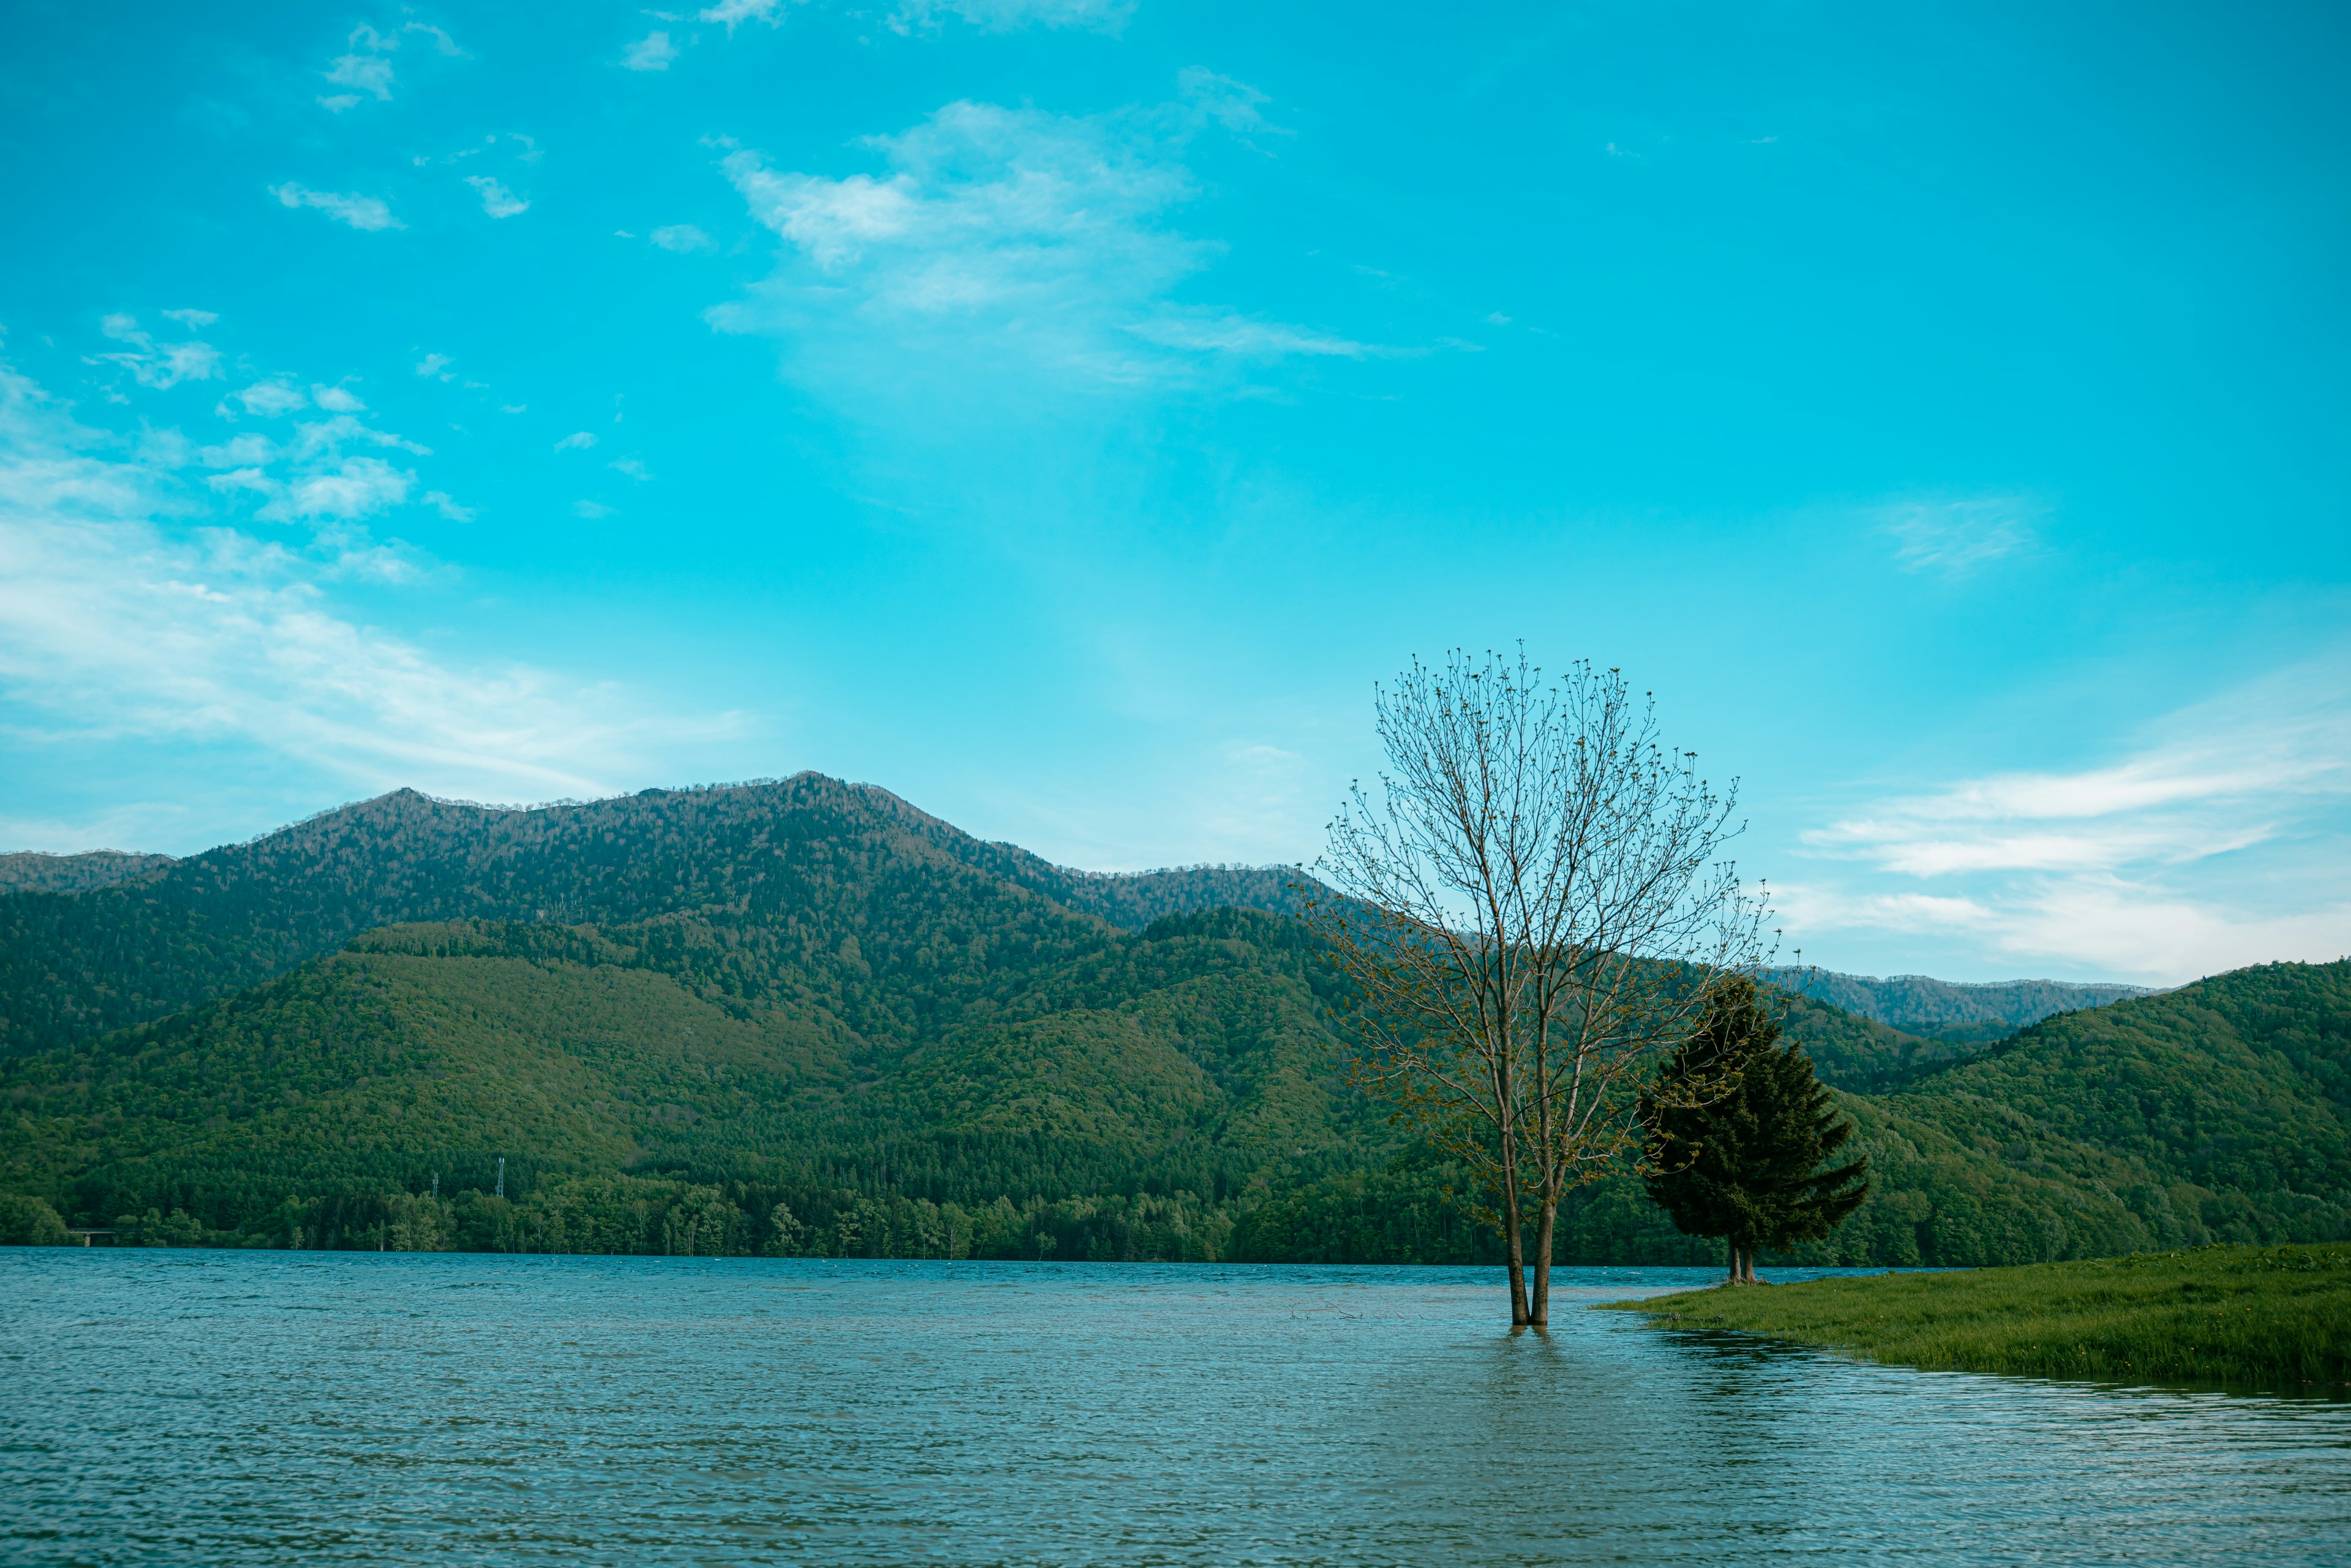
(803, 1015)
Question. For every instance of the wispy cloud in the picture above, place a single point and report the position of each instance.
(654, 52)
(734, 13)
(578, 439)
(496, 200)
(2219, 841)
(1009, 239)
(1953, 538)
(1009, 15)
(364, 213)
(156, 366)
(270, 398)
(365, 66)
(682, 237)
(128, 614)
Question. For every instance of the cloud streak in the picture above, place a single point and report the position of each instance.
(369, 214)
(2219, 841)
(1955, 539)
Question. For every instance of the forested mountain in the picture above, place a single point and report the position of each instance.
(808, 855)
(29, 871)
(1955, 1011)
(807, 1017)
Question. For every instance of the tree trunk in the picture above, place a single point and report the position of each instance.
(1541, 1317)
(1516, 1236)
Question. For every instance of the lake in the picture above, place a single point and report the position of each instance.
(274, 1407)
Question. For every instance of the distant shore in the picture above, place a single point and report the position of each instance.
(2270, 1318)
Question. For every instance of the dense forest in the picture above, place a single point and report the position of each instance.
(806, 1018)
(1952, 1012)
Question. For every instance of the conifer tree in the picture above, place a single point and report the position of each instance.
(1738, 1129)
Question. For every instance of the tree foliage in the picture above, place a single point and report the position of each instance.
(1742, 1139)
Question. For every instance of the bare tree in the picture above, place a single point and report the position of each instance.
(1531, 910)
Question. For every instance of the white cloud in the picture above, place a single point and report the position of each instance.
(352, 488)
(270, 399)
(2220, 839)
(337, 400)
(195, 321)
(1013, 238)
(578, 439)
(157, 366)
(128, 617)
(734, 12)
(632, 467)
(367, 214)
(316, 481)
(446, 505)
(1005, 16)
(441, 42)
(436, 365)
(1954, 538)
(653, 52)
(591, 511)
(496, 200)
(682, 237)
(1222, 332)
(239, 452)
(365, 66)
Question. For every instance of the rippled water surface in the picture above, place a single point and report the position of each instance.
(212, 1408)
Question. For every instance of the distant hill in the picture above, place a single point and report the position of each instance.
(1957, 1012)
(29, 871)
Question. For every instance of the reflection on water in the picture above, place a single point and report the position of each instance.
(361, 1408)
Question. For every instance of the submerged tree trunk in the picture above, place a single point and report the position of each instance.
(1543, 1230)
(1515, 1234)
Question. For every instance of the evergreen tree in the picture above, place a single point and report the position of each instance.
(1738, 1129)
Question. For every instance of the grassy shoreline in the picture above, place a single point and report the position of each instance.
(2272, 1318)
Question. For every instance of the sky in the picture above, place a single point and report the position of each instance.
(1064, 412)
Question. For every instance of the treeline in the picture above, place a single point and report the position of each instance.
(641, 1217)
(1413, 1211)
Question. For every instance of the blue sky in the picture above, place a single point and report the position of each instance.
(1062, 411)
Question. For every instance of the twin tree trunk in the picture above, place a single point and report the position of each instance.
(1529, 913)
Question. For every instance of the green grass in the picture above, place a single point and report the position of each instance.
(2251, 1317)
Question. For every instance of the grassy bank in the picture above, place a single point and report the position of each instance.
(2261, 1317)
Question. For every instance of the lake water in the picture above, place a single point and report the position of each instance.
(238, 1407)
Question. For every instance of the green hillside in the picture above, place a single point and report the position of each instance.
(807, 1017)
(1193, 1058)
